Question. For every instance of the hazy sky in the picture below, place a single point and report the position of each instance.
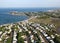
(29, 3)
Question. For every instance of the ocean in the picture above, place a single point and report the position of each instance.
(8, 18)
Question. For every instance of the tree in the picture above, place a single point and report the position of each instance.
(57, 39)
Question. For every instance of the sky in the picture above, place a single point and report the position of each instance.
(29, 3)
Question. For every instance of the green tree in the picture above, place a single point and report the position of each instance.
(57, 39)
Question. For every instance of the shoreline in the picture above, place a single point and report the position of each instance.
(23, 20)
(18, 21)
(11, 23)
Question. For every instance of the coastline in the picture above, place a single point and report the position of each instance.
(18, 21)
(26, 19)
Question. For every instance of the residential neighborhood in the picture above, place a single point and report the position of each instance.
(29, 21)
(28, 32)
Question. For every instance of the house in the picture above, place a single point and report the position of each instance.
(29, 32)
(42, 40)
(23, 36)
(42, 27)
(41, 30)
(34, 31)
(1, 32)
(48, 38)
(25, 28)
(25, 42)
(45, 35)
(20, 30)
(52, 41)
(46, 28)
(0, 39)
(32, 40)
(37, 28)
(53, 36)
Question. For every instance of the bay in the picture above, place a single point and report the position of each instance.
(8, 18)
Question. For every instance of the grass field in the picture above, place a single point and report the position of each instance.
(48, 20)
